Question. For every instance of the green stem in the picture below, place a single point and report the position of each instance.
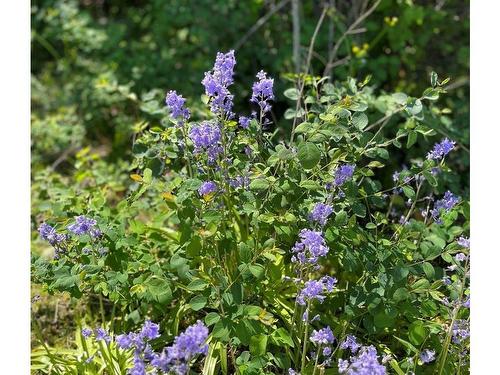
(304, 345)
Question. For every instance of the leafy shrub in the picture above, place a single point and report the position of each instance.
(294, 249)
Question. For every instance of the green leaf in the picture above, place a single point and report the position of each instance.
(417, 332)
(258, 344)
(401, 294)
(292, 93)
(434, 79)
(148, 176)
(430, 178)
(303, 128)
(341, 218)
(197, 285)
(309, 155)
(409, 192)
(412, 138)
(198, 302)
(360, 120)
(211, 318)
(428, 270)
(259, 184)
(257, 270)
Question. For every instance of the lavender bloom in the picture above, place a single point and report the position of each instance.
(216, 84)
(185, 347)
(313, 289)
(244, 122)
(460, 257)
(291, 371)
(446, 280)
(427, 356)
(322, 337)
(150, 330)
(101, 334)
(441, 149)
(343, 173)
(395, 176)
(86, 332)
(445, 204)
(206, 137)
(262, 92)
(240, 181)
(464, 242)
(343, 365)
(208, 187)
(176, 105)
(139, 366)
(84, 225)
(327, 351)
(124, 341)
(320, 213)
(350, 342)
(364, 363)
(460, 331)
(311, 246)
(48, 233)
(466, 303)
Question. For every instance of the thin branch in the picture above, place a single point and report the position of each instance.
(351, 28)
(260, 22)
(296, 35)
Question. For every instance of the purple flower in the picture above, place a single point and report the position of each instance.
(176, 105)
(327, 351)
(244, 122)
(395, 176)
(320, 213)
(311, 246)
(460, 331)
(185, 347)
(206, 137)
(150, 330)
(239, 181)
(427, 356)
(446, 280)
(350, 342)
(322, 337)
(445, 204)
(84, 225)
(343, 173)
(466, 303)
(441, 149)
(464, 242)
(460, 257)
(216, 83)
(262, 92)
(86, 332)
(101, 334)
(364, 363)
(291, 371)
(314, 289)
(139, 366)
(206, 188)
(48, 233)
(124, 341)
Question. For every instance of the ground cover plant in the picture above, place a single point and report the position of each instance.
(236, 250)
(259, 210)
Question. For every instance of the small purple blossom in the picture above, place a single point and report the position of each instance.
(314, 289)
(460, 257)
(175, 104)
(150, 330)
(464, 242)
(343, 173)
(322, 337)
(364, 363)
(445, 204)
(101, 334)
(84, 225)
(124, 341)
(216, 83)
(460, 331)
(311, 246)
(206, 137)
(244, 122)
(320, 213)
(262, 92)
(86, 332)
(206, 188)
(350, 342)
(48, 233)
(427, 356)
(441, 149)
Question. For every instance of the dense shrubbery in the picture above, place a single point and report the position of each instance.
(296, 224)
(291, 251)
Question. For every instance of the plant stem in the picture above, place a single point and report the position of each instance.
(304, 345)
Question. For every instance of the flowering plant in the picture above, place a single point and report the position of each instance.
(284, 249)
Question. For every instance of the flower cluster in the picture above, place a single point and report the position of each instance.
(441, 149)
(175, 104)
(365, 362)
(216, 83)
(262, 92)
(207, 188)
(350, 342)
(427, 356)
(311, 246)
(320, 213)
(322, 337)
(48, 233)
(100, 334)
(206, 137)
(464, 242)
(84, 225)
(460, 331)
(186, 346)
(314, 289)
(444, 205)
(343, 173)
